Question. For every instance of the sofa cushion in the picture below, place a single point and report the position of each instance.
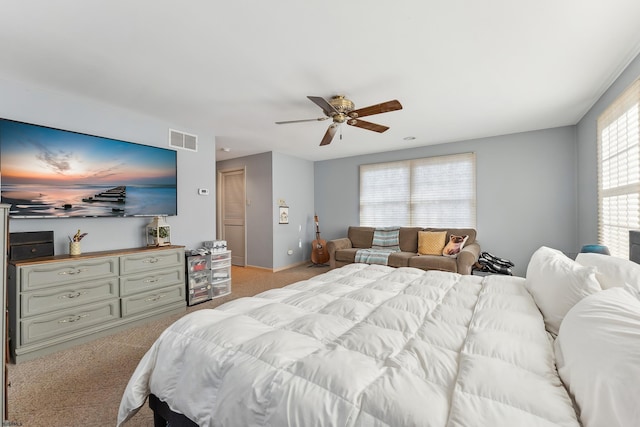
(400, 259)
(434, 262)
(431, 242)
(409, 239)
(346, 255)
(361, 237)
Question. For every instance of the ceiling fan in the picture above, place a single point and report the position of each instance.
(342, 110)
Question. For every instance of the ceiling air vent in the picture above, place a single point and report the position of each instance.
(183, 140)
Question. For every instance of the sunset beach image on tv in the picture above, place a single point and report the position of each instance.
(47, 172)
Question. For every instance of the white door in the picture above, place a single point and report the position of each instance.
(231, 213)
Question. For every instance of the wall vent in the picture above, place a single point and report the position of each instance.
(186, 141)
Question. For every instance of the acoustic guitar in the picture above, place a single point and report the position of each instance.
(319, 253)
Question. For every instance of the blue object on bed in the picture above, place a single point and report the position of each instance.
(597, 249)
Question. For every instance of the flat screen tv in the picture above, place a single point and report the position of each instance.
(48, 173)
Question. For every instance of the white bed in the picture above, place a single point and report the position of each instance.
(363, 345)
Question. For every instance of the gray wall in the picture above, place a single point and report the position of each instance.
(259, 191)
(587, 158)
(293, 183)
(272, 177)
(195, 221)
(526, 191)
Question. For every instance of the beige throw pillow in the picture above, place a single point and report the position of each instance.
(431, 242)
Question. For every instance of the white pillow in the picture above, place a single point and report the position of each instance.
(612, 271)
(598, 358)
(557, 283)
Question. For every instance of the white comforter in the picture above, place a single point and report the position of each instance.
(361, 346)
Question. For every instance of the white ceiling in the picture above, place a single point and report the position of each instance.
(462, 69)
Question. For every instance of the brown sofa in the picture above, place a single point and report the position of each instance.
(343, 251)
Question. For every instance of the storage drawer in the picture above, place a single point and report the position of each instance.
(221, 288)
(62, 323)
(137, 283)
(197, 263)
(29, 251)
(140, 303)
(203, 293)
(57, 273)
(152, 260)
(220, 274)
(51, 299)
(200, 279)
(220, 263)
(220, 256)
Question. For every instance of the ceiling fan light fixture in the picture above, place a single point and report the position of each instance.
(342, 104)
(340, 110)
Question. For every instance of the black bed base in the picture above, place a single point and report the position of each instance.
(163, 416)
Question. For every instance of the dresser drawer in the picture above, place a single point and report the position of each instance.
(58, 273)
(62, 323)
(137, 283)
(152, 260)
(52, 299)
(147, 301)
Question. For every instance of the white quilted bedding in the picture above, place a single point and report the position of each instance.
(362, 345)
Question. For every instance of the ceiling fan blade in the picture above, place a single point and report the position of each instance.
(319, 119)
(328, 136)
(324, 104)
(367, 125)
(384, 107)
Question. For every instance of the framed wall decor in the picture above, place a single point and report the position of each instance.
(284, 215)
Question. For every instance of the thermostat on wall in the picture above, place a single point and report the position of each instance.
(203, 191)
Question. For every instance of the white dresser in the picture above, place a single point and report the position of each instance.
(56, 302)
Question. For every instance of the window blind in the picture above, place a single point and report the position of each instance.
(428, 192)
(619, 171)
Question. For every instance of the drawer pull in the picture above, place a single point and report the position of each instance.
(72, 295)
(73, 319)
(72, 272)
(152, 280)
(151, 260)
(155, 298)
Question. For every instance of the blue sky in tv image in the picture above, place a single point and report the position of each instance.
(50, 172)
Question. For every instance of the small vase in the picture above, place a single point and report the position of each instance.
(74, 248)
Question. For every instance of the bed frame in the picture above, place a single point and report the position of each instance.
(163, 416)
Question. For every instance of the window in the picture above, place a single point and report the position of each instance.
(619, 171)
(428, 192)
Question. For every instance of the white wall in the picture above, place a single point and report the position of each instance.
(526, 191)
(195, 221)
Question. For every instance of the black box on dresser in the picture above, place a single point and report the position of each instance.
(30, 244)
